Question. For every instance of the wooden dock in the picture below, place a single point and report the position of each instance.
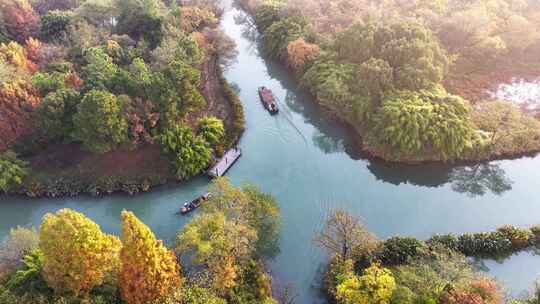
(225, 163)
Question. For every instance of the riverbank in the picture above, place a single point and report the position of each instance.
(67, 170)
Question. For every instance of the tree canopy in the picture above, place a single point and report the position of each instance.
(77, 255)
(98, 122)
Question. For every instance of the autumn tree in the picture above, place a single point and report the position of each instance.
(15, 54)
(17, 101)
(20, 20)
(300, 52)
(374, 286)
(77, 254)
(220, 244)
(98, 122)
(344, 233)
(149, 271)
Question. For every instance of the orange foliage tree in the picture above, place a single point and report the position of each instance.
(149, 271)
(480, 291)
(300, 52)
(17, 55)
(77, 254)
(33, 49)
(19, 19)
(17, 102)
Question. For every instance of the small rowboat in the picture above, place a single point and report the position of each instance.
(194, 204)
(269, 100)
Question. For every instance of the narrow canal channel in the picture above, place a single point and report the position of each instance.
(310, 165)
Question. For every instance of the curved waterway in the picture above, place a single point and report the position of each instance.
(311, 166)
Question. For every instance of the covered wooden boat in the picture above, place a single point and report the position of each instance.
(194, 204)
(268, 99)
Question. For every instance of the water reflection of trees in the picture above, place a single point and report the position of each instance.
(479, 179)
(331, 137)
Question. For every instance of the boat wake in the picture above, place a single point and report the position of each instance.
(288, 116)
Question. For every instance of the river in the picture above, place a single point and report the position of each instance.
(311, 166)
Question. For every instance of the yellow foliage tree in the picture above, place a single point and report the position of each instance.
(148, 270)
(375, 286)
(77, 254)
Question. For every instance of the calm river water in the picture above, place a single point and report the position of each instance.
(310, 165)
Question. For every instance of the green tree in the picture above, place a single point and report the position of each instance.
(329, 82)
(77, 255)
(99, 123)
(141, 19)
(268, 14)
(190, 154)
(176, 90)
(12, 171)
(211, 129)
(55, 113)
(408, 47)
(418, 124)
(277, 36)
(375, 286)
(28, 278)
(99, 70)
(54, 25)
(149, 271)
(46, 83)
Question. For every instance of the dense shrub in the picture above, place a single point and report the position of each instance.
(398, 250)
(489, 244)
(449, 241)
(12, 171)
